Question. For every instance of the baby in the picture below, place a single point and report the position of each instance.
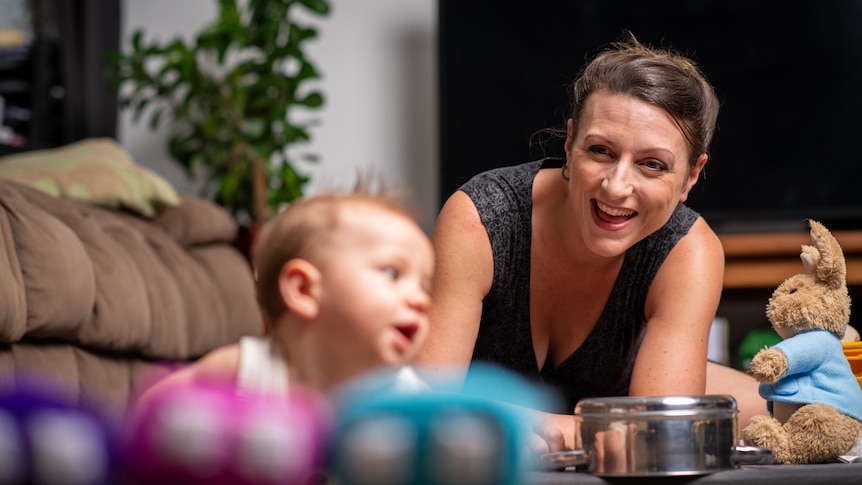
(343, 281)
(344, 285)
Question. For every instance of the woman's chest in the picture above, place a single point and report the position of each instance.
(566, 302)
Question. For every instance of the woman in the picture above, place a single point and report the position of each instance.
(589, 273)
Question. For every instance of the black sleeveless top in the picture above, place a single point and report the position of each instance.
(602, 365)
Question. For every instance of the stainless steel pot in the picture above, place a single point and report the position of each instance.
(656, 436)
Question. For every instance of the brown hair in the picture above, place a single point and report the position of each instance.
(299, 229)
(660, 77)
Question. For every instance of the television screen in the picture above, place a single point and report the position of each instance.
(788, 75)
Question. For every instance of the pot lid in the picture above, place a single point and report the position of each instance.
(676, 405)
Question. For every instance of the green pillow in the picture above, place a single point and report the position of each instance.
(96, 170)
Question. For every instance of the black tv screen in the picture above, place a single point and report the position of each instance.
(788, 75)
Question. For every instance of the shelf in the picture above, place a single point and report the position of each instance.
(766, 260)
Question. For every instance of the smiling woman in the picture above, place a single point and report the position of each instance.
(589, 273)
(628, 168)
(747, 50)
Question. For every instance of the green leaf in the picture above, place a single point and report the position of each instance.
(137, 36)
(222, 116)
(320, 7)
(293, 134)
(313, 100)
(156, 117)
(229, 13)
(307, 71)
(139, 110)
(300, 34)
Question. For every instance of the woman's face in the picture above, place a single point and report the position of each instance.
(627, 169)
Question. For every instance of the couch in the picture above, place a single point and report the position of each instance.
(109, 278)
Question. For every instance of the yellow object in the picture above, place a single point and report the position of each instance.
(11, 37)
(855, 364)
(853, 352)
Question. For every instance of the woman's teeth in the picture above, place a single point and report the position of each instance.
(614, 212)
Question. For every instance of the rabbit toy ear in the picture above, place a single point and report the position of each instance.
(810, 258)
(827, 261)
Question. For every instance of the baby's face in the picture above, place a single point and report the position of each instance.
(375, 288)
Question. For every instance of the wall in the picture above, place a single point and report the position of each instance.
(378, 61)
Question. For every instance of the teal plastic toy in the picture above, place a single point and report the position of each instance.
(471, 434)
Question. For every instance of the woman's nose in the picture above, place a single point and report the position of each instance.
(617, 180)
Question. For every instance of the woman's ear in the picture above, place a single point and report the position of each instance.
(570, 140)
(570, 135)
(299, 286)
(693, 176)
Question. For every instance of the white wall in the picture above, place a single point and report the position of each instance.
(378, 61)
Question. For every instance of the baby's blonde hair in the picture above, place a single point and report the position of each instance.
(301, 227)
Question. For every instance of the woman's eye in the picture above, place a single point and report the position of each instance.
(391, 272)
(655, 165)
(600, 150)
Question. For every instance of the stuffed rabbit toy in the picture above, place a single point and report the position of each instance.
(812, 395)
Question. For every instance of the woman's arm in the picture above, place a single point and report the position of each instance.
(462, 278)
(680, 307)
(464, 273)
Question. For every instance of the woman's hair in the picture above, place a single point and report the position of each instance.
(300, 231)
(660, 77)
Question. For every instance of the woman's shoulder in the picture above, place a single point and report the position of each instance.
(495, 177)
(682, 220)
(694, 232)
(505, 188)
(684, 240)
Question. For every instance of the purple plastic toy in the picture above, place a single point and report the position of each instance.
(210, 434)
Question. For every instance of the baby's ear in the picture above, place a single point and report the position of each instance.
(299, 286)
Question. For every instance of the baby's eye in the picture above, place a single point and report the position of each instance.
(391, 272)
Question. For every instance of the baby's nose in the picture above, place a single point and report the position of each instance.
(419, 298)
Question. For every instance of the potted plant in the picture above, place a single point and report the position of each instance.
(228, 97)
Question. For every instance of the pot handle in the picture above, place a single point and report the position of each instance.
(560, 460)
(752, 455)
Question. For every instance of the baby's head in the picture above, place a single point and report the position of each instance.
(351, 273)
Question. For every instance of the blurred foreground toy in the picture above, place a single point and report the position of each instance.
(47, 440)
(814, 399)
(471, 434)
(209, 434)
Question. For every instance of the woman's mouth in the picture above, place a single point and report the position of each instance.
(613, 215)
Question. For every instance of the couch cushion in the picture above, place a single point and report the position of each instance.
(97, 170)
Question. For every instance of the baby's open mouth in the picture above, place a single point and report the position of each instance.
(405, 337)
(408, 330)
